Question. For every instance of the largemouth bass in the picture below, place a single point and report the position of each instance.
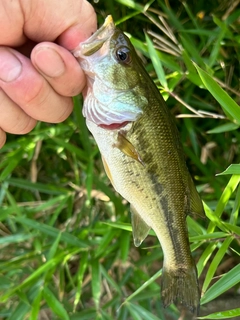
(142, 154)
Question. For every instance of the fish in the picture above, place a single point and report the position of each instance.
(142, 154)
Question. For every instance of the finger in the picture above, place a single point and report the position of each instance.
(59, 67)
(84, 26)
(13, 119)
(11, 23)
(42, 20)
(2, 138)
(28, 89)
(78, 14)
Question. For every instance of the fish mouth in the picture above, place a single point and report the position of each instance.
(96, 41)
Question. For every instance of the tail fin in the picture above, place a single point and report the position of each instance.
(181, 285)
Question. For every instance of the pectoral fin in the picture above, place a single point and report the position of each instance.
(139, 227)
(127, 147)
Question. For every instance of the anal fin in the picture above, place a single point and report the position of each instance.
(139, 227)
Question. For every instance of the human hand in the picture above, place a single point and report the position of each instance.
(40, 87)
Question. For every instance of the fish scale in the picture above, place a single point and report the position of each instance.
(142, 154)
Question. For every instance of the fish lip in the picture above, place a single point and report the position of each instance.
(96, 41)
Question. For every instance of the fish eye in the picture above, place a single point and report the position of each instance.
(123, 55)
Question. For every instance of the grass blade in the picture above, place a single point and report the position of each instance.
(232, 169)
(96, 282)
(227, 103)
(223, 314)
(229, 280)
(216, 261)
(55, 305)
(156, 63)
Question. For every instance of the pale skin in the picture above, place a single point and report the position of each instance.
(38, 74)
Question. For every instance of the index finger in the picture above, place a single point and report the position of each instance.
(72, 21)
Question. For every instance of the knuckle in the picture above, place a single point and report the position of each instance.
(3, 97)
(2, 138)
(25, 126)
(66, 108)
(36, 92)
(13, 119)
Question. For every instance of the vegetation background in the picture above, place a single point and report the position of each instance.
(66, 243)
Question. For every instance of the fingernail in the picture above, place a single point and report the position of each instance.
(49, 62)
(10, 66)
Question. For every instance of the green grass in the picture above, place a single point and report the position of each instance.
(66, 243)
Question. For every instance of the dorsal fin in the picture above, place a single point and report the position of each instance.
(196, 204)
